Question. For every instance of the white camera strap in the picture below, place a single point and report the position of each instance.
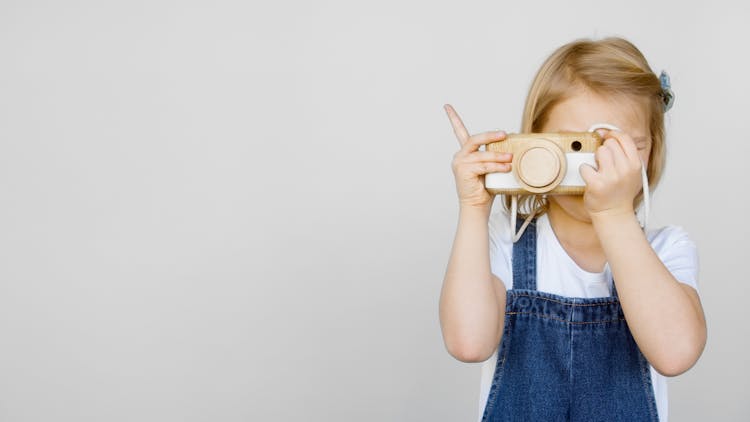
(646, 197)
(513, 214)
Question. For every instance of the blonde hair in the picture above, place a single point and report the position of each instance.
(611, 66)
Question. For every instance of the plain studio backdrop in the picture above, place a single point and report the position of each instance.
(242, 211)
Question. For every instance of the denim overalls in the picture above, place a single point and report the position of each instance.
(564, 358)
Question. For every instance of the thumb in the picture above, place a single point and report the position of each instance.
(588, 173)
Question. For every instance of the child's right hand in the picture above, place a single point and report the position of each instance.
(470, 165)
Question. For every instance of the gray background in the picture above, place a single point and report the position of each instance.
(231, 211)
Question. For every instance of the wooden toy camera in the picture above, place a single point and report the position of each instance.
(544, 163)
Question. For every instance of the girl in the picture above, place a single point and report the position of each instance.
(583, 317)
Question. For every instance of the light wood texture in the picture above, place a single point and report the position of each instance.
(590, 141)
(540, 166)
(559, 190)
(557, 144)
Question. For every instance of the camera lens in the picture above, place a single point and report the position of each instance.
(576, 145)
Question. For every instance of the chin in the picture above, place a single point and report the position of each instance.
(571, 205)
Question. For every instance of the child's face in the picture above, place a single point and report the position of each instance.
(584, 109)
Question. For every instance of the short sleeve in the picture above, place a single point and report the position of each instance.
(678, 253)
(501, 246)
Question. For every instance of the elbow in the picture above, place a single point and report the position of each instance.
(679, 361)
(469, 352)
(673, 368)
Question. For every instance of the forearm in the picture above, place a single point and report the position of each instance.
(470, 311)
(664, 315)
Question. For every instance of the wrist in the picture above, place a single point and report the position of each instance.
(613, 218)
(475, 211)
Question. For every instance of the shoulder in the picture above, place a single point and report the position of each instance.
(668, 237)
(677, 251)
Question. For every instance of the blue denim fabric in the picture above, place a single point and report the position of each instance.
(565, 359)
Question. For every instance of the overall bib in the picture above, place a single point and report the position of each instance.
(565, 358)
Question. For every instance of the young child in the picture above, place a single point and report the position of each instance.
(586, 314)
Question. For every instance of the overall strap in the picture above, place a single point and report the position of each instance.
(524, 258)
(614, 290)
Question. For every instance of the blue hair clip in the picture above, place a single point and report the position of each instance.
(666, 91)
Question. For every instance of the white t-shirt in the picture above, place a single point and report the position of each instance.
(558, 274)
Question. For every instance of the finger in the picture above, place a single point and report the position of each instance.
(475, 141)
(588, 173)
(604, 158)
(626, 143)
(458, 126)
(602, 132)
(479, 169)
(620, 160)
(488, 156)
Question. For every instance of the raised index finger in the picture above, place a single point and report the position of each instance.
(458, 126)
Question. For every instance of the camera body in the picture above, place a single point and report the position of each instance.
(544, 163)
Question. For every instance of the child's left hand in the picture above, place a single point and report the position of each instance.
(612, 187)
